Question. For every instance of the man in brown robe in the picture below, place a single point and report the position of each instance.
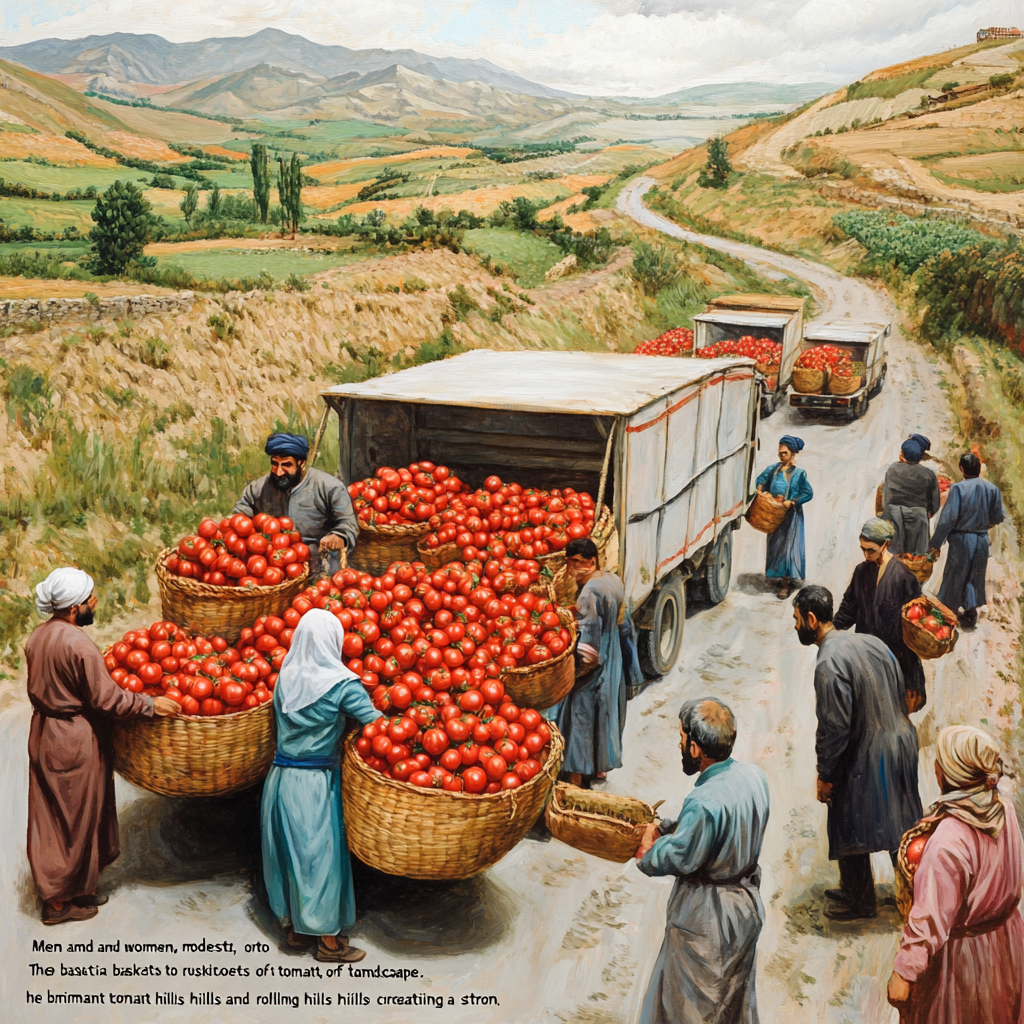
(72, 821)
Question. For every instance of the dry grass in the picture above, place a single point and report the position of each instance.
(56, 148)
(147, 149)
(225, 154)
(268, 242)
(28, 288)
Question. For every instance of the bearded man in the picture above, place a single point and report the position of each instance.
(316, 502)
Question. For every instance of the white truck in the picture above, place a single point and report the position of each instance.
(864, 342)
(778, 317)
(668, 444)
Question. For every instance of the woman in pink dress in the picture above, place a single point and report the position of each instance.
(961, 956)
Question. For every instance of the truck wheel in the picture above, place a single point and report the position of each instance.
(877, 389)
(714, 581)
(659, 646)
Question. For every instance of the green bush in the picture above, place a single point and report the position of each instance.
(904, 242)
(654, 267)
(123, 223)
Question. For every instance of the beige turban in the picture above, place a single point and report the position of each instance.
(970, 761)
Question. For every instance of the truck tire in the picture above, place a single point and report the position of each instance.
(713, 585)
(880, 383)
(659, 646)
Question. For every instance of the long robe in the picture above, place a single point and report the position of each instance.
(910, 496)
(785, 558)
(318, 505)
(866, 746)
(962, 948)
(972, 508)
(305, 855)
(72, 819)
(591, 718)
(874, 607)
(705, 970)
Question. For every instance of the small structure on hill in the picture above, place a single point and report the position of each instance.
(998, 33)
(958, 93)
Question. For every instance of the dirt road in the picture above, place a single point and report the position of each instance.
(556, 937)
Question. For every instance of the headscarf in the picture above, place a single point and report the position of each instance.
(922, 441)
(970, 761)
(62, 589)
(794, 444)
(294, 445)
(878, 531)
(313, 665)
(912, 450)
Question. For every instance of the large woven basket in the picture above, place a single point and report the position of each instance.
(843, 385)
(544, 685)
(920, 565)
(923, 643)
(380, 545)
(404, 830)
(206, 610)
(807, 382)
(196, 756)
(765, 513)
(601, 824)
(434, 558)
(904, 871)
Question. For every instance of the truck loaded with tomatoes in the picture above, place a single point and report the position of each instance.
(316, 502)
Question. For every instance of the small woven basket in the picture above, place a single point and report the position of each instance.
(807, 382)
(545, 684)
(404, 830)
(381, 544)
(765, 513)
(768, 369)
(206, 610)
(600, 824)
(920, 640)
(563, 587)
(434, 558)
(920, 566)
(904, 870)
(843, 385)
(189, 756)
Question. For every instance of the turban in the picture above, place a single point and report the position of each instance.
(794, 444)
(970, 761)
(294, 445)
(62, 589)
(912, 450)
(922, 441)
(878, 531)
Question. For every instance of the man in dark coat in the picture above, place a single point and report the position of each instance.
(874, 600)
(866, 747)
(910, 497)
(316, 502)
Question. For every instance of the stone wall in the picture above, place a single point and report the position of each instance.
(14, 312)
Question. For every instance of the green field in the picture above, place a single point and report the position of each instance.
(72, 249)
(46, 216)
(64, 179)
(236, 263)
(303, 137)
(528, 255)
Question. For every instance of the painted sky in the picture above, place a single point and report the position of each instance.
(596, 47)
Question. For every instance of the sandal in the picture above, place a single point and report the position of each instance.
(343, 954)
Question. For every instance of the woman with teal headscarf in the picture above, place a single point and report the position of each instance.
(785, 560)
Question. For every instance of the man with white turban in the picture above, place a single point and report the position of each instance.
(72, 821)
(961, 955)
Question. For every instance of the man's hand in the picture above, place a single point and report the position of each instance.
(648, 835)
(165, 707)
(898, 991)
(915, 701)
(933, 554)
(789, 504)
(824, 792)
(332, 542)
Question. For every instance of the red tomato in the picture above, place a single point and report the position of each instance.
(435, 742)
(189, 705)
(241, 524)
(495, 766)
(211, 707)
(510, 780)
(421, 779)
(200, 688)
(471, 700)
(475, 780)
(133, 684)
(915, 848)
(233, 694)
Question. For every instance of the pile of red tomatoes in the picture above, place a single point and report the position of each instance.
(830, 358)
(761, 350)
(241, 552)
(671, 343)
(401, 496)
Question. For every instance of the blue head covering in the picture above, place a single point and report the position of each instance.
(794, 444)
(912, 450)
(923, 441)
(294, 445)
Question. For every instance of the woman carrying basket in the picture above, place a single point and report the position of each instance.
(787, 483)
(305, 855)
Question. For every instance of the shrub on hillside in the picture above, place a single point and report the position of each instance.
(893, 239)
(654, 267)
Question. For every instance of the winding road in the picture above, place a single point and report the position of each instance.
(555, 936)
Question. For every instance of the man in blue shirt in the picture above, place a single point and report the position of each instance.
(705, 970)
(973, 506)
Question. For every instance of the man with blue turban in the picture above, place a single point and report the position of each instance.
(316, 502)
(910, 497)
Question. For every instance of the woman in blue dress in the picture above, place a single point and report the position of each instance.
(784, 480)
(305, 855)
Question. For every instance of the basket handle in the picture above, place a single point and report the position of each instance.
(321, 428)
(604, 468)
(654, 807)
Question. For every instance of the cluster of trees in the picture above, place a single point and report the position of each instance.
(17, 190)
(187, 171)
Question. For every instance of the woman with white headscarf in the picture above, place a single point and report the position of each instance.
(305, 855)
(961, 956)
(785, 561)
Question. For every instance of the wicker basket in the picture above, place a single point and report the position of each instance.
(544, 685)
(563, 587)
(403, 830)
(843, 385)
(601, 824)
(807, 382)
(206, 610)
(765, 513)
(189, 756)
(768, 369)
(859, 368)
(904, 872)
(434, 558)
(923, 643)
(920, 566)
(378, 546)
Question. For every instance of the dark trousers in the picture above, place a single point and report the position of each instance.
(857, 882)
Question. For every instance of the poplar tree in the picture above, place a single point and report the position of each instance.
(289, 190)
(260, 164)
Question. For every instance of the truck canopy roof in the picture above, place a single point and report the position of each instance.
(608, 384)
(745, 317)
(856, 332)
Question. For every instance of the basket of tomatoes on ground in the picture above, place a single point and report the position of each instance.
(224, 740)
(219, 580)
(443, 785)
(677, 342)
(929, 627)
